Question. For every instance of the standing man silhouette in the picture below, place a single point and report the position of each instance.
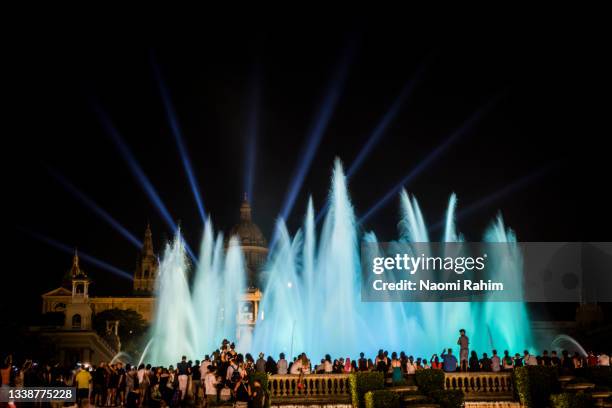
(464, 343)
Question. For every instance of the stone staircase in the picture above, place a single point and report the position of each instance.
(410, 397)
(602, 398)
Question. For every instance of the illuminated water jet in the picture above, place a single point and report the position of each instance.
(311, 295)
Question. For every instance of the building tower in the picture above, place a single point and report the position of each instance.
(78, 311)
(147, 265)
(255, 249)
(252, 242)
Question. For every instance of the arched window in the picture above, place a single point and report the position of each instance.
(146, 273)
(76, 321)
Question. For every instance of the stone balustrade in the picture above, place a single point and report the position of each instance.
(490, 383)
(335, 387)
(316, 386)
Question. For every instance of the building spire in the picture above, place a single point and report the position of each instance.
(76, 269)
(147, 247)
(245, 209)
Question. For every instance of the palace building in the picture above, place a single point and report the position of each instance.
(78, 341)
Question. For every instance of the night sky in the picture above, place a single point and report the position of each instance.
(536, 126)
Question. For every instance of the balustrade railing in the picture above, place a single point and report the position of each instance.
(336, 386)
(312, 385)
(480, 382)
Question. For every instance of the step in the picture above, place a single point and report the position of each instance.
(579, 386)
(414, 398)
(566, 378)
(403, 388)
(425, 406)
(488, 397)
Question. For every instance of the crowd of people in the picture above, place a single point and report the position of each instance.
(225, 375)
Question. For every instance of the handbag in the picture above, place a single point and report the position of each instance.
(300, 382)
(225, 394)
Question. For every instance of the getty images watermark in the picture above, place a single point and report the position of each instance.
(468, 271)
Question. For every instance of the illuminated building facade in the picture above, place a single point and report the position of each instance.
(78, 340)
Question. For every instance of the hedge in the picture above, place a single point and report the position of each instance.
(571, 400)
(382, 399)
(535, 384)
(362, 382)
(448, 398)
(429, 381)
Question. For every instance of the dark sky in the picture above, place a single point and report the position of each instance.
(543, 91)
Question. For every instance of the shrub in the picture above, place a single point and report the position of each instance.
(430, 381)
(448, 398)
(382, 399)
(571, 400)
(362, 382)
(535, 384)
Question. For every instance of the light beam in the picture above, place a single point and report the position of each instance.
(178, 137)
(140, 175)
(316, 133)
(83, 255)
(252, 132)
(384, 123)
(430, 158)
(379, 130)
(491, 198)
(96, 208)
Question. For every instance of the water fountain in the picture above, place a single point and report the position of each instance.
(565, 342)
(312, 300)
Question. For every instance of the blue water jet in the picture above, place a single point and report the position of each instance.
(311, 299)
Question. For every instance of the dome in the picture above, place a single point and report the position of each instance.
(252, 242)
(248, 232)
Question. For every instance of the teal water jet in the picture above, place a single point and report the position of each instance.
(311, 296)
